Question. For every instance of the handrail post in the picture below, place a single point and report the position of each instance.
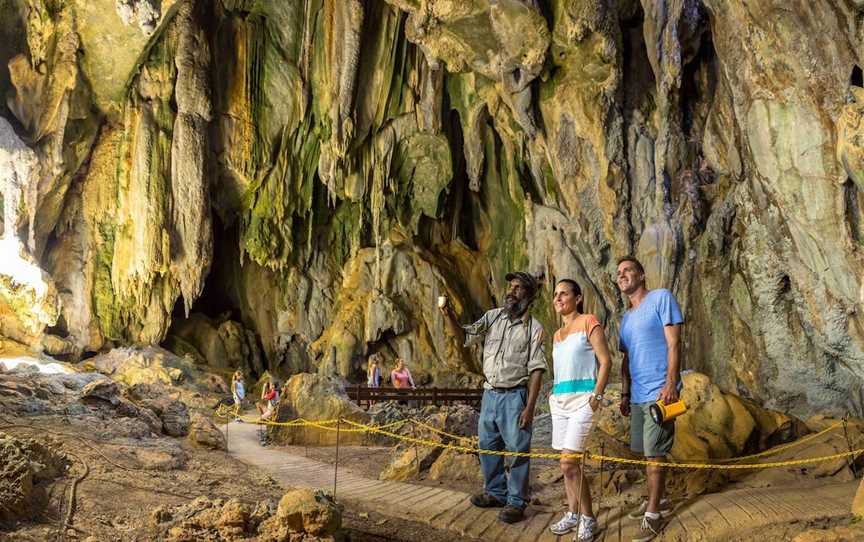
(336, 466)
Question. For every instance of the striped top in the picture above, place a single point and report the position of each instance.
(573, 357)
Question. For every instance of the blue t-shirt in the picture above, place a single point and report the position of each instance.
(644, 342)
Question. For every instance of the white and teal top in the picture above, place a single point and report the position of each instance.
(573, 359)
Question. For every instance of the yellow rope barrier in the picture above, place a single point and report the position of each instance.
(778, 449)
(773, 451)
(301, 422)
(722, 465)
(440, 432)
(505, 453)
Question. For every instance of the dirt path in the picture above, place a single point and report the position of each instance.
(719, 516)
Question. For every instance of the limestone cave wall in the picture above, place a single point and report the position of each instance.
(288, 185)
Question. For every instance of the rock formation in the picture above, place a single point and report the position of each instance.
(288, 186)
(27, 466)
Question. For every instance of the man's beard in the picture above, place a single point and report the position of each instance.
(516, 307)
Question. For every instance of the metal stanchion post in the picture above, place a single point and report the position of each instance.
(416, 458)
(851, 459)
(602, 453)
(336, 466)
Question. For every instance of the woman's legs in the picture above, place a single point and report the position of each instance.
(574, 484)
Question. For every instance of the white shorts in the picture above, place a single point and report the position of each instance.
(572, 420)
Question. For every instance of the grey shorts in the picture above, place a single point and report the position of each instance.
(646, 436)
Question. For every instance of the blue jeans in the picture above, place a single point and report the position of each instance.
(498, 430)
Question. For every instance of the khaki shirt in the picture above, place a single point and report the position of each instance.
(507, 361)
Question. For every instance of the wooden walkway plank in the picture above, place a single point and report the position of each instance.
(421, 494)
(436, 507)
(449, 516)
(500, 531)
(538, 527)
(397, 493)
(467, 517)
(478, 526)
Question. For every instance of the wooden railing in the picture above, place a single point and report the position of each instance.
(365, 396)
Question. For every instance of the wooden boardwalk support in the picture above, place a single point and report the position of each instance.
(366, 396)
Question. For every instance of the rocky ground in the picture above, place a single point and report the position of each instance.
(126, 449)
(134, 456)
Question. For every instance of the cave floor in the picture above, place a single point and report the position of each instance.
(728, 515)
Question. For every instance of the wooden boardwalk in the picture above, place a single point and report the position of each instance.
(718, 516)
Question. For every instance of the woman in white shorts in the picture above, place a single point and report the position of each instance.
(577, 392)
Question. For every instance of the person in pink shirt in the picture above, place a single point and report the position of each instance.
(400, 377)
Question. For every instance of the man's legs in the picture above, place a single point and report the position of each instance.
(516, 440)
(489, 438)
(656, 484)
(653, 441)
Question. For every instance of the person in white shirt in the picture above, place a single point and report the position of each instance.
(576, 395)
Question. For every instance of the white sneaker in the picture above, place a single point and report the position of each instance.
(665, 509)
(587, 529)
(569, 522)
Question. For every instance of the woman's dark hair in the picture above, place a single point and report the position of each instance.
(576, 290)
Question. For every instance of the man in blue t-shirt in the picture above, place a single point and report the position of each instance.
(650, 371)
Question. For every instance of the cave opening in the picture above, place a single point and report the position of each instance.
(216, 332)
(856, 78)
(638, 84)
(12, 42)
(853, 207)
(213, 301)
(698, 84)
(637, 99)
(455, 217)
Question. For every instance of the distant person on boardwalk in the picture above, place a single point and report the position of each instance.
(576, 395)
(513, 363)
(400, 376)
(269, 397)
(238, 391)
(373, 373)
(650, 371)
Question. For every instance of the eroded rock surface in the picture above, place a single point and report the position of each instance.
(25, 466)
(316, 398)
(322, 171)
(204, 433)
(301, 515)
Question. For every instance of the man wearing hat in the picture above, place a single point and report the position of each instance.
(513, 363)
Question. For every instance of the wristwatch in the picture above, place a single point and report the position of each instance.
(598, 396)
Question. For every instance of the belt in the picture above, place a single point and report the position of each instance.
(512, 388)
